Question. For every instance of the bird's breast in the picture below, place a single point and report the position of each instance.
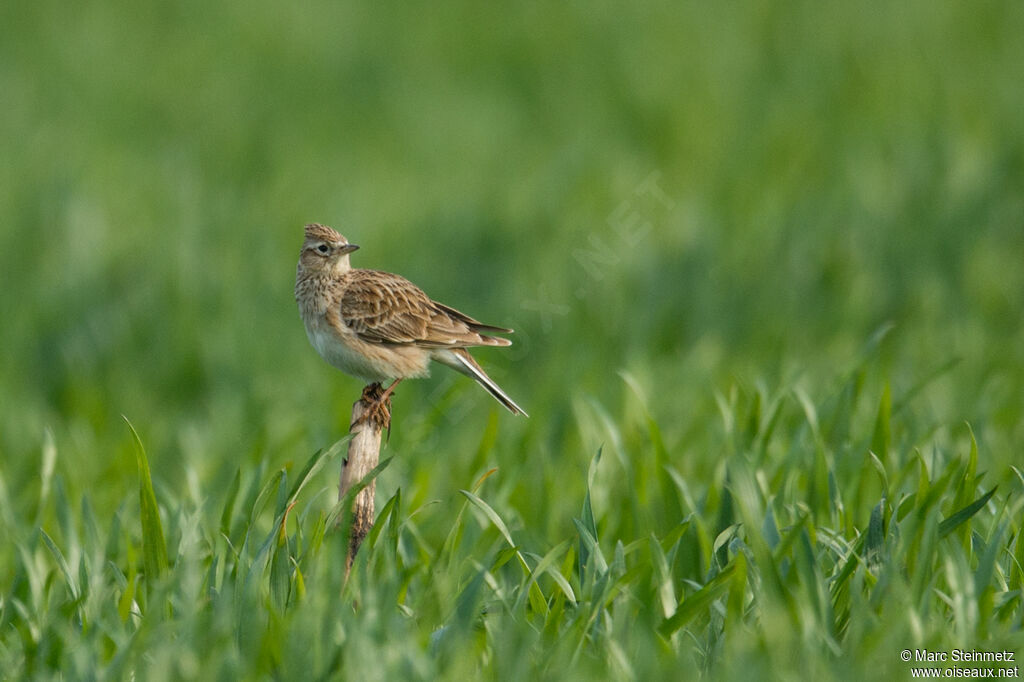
(342, 355)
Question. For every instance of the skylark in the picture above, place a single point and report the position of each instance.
(377, 326)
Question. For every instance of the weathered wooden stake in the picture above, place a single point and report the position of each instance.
(368, 421)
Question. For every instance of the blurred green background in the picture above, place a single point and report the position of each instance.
(703, 195)
(825, 169)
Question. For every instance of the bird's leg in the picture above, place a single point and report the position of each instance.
(384, 406)
(371, 396)
(379, 400)
(389, 390)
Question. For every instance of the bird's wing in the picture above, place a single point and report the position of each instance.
(470, 322)
(385, 308)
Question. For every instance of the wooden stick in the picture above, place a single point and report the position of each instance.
(368, 421)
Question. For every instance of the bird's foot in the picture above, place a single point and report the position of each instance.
(372, 392)
(378, 400)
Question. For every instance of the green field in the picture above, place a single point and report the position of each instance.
(765, 263)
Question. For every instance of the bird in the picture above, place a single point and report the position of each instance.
(378, 326)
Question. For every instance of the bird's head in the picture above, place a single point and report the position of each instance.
(325, 250)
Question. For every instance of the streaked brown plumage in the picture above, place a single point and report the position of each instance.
(378, 326)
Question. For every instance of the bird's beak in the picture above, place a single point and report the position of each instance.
(348, 248)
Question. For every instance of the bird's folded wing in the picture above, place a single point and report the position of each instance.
(470, 322)
(382, 307)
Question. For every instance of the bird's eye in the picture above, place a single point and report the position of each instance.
(323, 248)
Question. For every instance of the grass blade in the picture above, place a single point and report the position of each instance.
(694, 605)
(314, 465)
(491, 515)
(154, 547)
(961, 516)
(229, 503)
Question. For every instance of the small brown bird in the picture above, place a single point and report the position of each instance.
(377, 326)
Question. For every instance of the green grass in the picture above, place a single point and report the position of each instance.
(787, 558)
(764, 264)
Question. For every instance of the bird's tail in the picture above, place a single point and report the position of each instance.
(461, 361)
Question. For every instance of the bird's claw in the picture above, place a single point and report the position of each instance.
(378, 411)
